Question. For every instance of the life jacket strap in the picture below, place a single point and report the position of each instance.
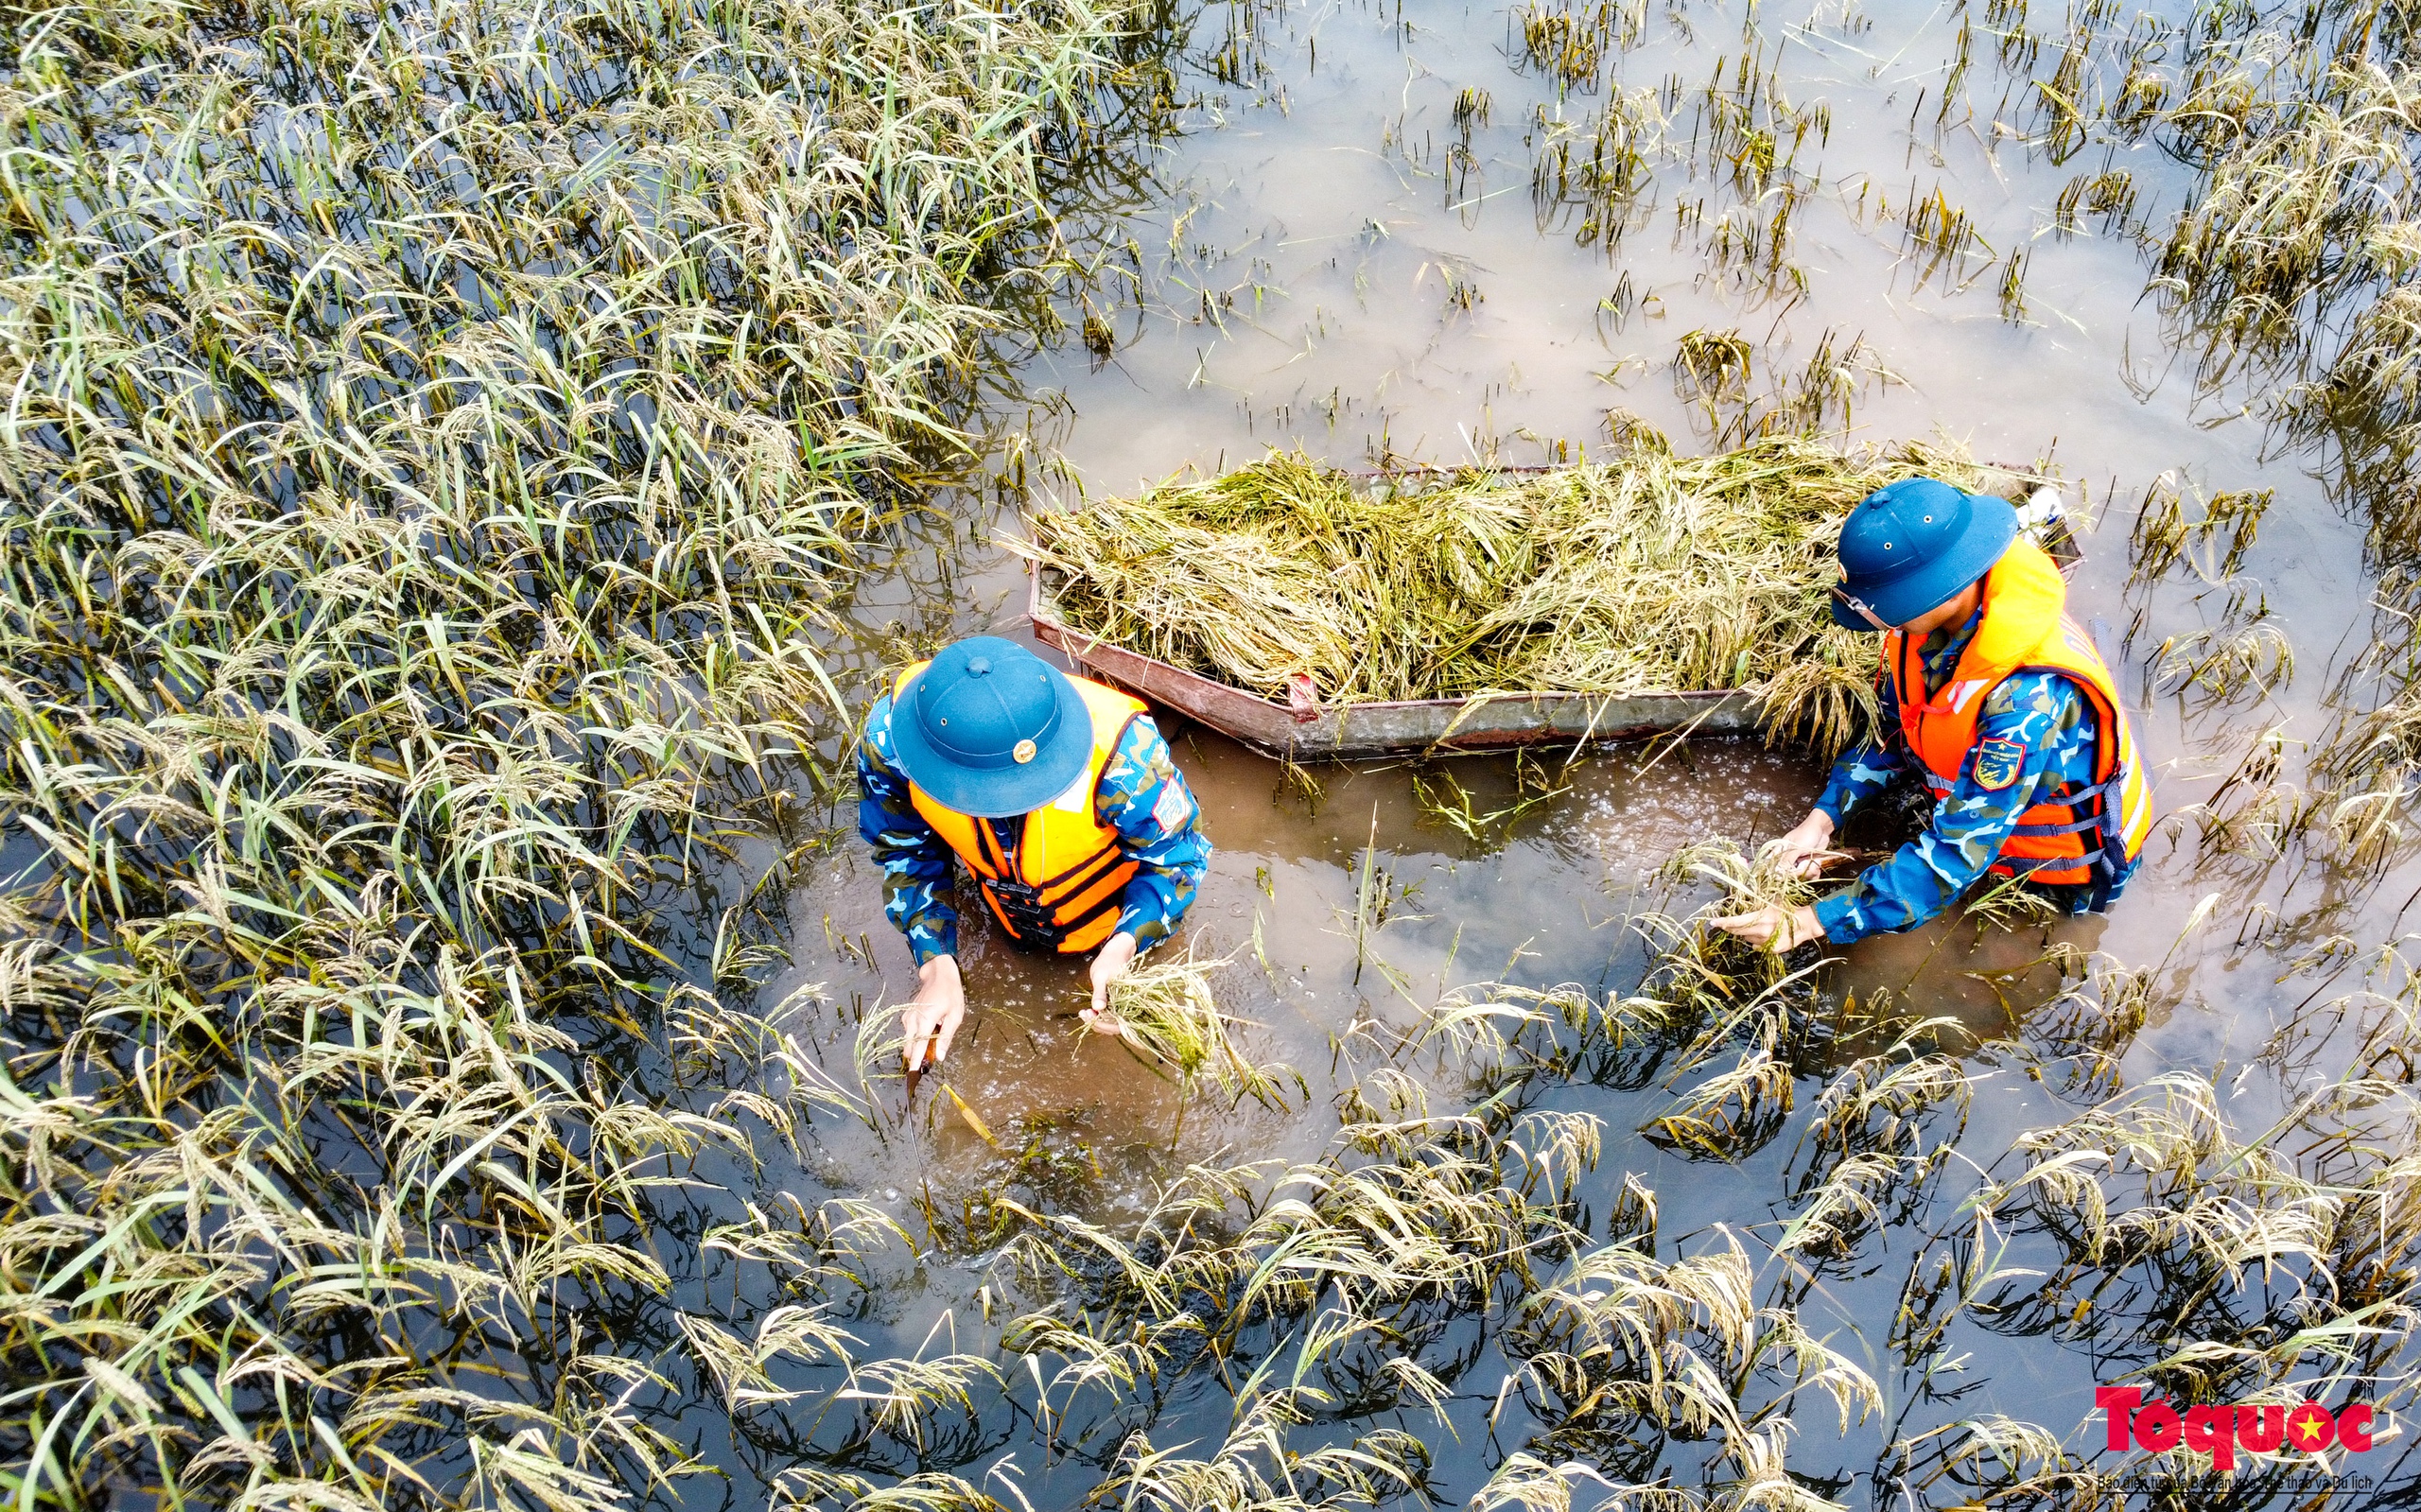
(2025, 866)
(2076, 826)
(2100, 860)
(2113, 853)
(1035, 924)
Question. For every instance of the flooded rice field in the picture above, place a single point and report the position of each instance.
(1392, 236)
(452, 1030)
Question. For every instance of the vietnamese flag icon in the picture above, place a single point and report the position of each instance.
(2309, 1428)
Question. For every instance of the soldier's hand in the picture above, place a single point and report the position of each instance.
(1807, 847)
(1117, 956)
(933, 1015)
(1777, 928)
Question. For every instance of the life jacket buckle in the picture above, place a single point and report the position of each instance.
(1020, 904)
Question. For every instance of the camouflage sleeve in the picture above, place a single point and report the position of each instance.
(915, 861)
(1145, 798)
(2033, 729)
(1867, 767)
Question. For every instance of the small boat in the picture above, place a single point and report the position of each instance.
(1306, 729)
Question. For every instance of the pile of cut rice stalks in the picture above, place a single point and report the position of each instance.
(1645, 573)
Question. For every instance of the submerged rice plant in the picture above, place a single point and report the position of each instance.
(1570, 42)
(1598, 167)
(1745, 137)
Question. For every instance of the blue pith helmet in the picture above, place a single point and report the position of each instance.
(1910, 547)
(991, 729)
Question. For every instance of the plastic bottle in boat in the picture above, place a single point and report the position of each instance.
(2043, 520)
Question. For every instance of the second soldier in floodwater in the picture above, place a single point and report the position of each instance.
(1998, 697)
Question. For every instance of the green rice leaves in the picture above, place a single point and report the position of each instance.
(437, 435)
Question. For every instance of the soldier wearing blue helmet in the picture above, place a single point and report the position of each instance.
(1996, 697)
(1058, 795)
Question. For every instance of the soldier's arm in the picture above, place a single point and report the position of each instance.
(1867, 767)
(2015, 739)
(915, 861)
(1145, 798)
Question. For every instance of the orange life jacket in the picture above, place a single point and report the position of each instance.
(2081, 837)
(1062, 888)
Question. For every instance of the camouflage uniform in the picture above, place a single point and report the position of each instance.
(1142, 797)
(2042, 712)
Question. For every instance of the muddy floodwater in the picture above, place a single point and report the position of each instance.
(1354, 251)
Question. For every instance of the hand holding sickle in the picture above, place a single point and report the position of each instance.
(932, 1018)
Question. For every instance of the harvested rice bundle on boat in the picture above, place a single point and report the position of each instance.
(1646, 573)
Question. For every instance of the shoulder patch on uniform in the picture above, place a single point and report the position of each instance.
(1997, 761)
(1174, 809)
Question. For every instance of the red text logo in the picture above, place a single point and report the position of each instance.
(2307, 1428)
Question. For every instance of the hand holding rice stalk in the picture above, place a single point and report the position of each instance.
(1768, 898)
(1165, 1015)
